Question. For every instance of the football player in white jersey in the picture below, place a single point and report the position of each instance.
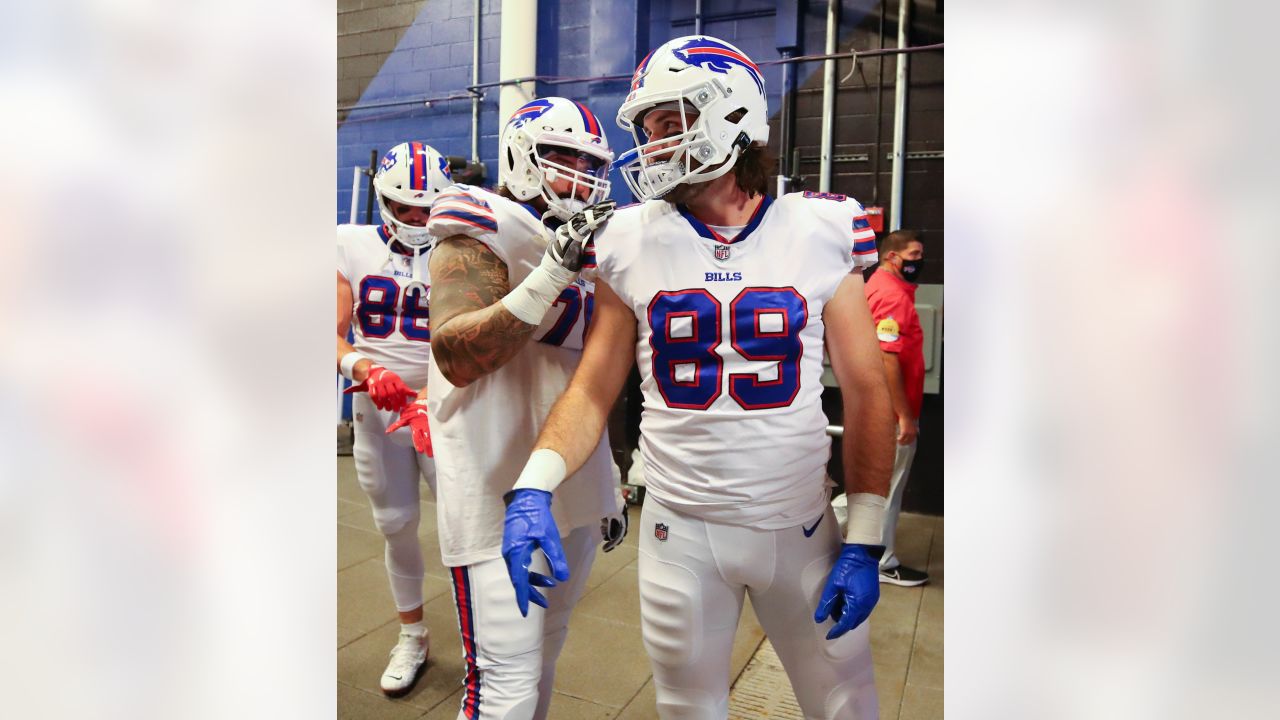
(509, 312)
(383, 283)
(727, 300)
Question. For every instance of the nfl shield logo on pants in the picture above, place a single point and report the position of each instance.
(722, 252)
(660, 532)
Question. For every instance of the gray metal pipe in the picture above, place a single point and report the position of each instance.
(786, 123)
(475, 80)
(875, 156)
(420, 102)
(697, 17)
(724, 17)
(355, 196)
(899, 118)
(829, 96)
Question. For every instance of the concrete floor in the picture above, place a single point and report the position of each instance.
(603, 671)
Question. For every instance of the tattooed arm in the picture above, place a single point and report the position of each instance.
(472, 333)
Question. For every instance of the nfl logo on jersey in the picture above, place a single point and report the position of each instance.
(722, 252)
(660, 531)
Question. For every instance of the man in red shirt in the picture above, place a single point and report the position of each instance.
(891, 295)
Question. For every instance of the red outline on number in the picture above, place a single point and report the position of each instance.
(425, 292)
(588, 307)
(754, 377)
(693, 337)
(711, 349)
(564, 324)
(786, 322)
(395, 299)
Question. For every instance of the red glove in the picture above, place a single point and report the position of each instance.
(415, 416)
(385, 388)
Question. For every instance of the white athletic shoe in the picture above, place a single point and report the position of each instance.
(408, 660)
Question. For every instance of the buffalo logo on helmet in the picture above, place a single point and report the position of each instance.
(529, 112)
(444, 168)
(716, 57)
(389, 161)
(660, 531)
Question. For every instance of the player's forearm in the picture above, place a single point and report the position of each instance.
(574, 427)
(567, 439)
(868, 444)
(897, 385)
(474, 344)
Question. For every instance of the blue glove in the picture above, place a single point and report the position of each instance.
(852, 590)
(529, 525)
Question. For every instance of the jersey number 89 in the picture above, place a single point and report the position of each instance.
(764, 326)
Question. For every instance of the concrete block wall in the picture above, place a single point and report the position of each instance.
(391, 51)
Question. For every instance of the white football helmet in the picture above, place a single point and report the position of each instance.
(693, 74)
(555, 125)
(412, 173)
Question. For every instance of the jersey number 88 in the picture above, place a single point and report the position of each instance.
(379, 301)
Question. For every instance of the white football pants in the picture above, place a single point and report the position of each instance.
(902, 458)
(511, 660)
(389, 469)
(691, 590)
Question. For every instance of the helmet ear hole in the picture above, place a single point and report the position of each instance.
(736, 115)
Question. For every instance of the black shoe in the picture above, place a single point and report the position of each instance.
(904, 576)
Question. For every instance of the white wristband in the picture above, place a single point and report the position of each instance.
(530, 300)
(348, 364)
(544, 471)
(866, 519)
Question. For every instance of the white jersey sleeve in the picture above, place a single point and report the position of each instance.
(845, 221)
(468, 211)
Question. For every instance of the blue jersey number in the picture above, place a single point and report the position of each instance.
(573, 299)
(684, 334)
(764, 325)
(379, 301)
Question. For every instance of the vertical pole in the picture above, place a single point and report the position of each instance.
(899, 118)
(785, 123)
(356, 172)
(519, 57)
(475, 80)
(829, 96)
(368, 201)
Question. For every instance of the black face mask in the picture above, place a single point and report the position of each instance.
(911, 270)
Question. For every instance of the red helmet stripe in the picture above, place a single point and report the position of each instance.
(416, 173)
(593, 125)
